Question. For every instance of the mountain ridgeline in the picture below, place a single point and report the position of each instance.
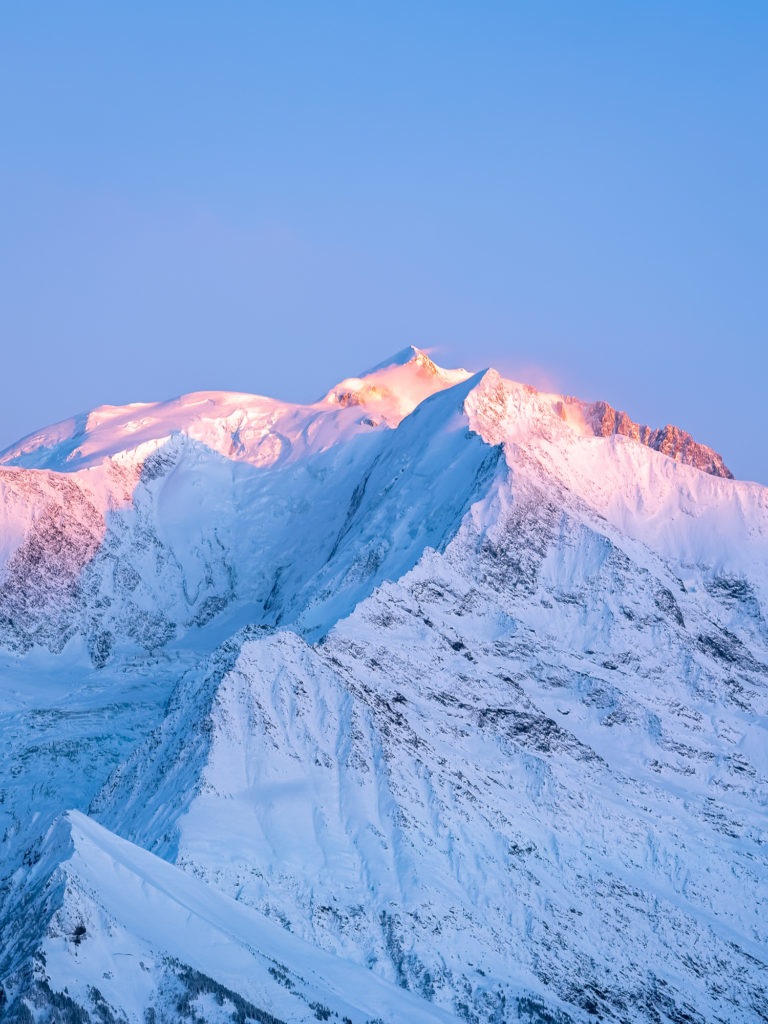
(438, 699)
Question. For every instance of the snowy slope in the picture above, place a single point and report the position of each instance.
(121, 935)
(515, 772)
(467, 687)
(139, 535)
(132, 551)
(250, 428)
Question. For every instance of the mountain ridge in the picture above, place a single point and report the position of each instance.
(236, 424)
(439, 675)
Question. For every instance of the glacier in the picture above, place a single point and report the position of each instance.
(440, 698)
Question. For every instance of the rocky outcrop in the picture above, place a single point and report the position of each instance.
(672, 441)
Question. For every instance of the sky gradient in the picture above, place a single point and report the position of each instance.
(270, 197)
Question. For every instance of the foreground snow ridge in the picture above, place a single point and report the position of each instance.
(437, 699)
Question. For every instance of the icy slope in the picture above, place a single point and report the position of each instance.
(117, 933)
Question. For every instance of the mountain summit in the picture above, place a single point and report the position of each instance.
(440, 698)
(257, 429)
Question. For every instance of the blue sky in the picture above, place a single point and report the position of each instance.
(269, 197)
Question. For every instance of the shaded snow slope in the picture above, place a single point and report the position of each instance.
(114, 932)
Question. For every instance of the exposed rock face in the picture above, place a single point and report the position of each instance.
(669, 440)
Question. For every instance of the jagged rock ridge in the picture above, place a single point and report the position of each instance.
(669, 440)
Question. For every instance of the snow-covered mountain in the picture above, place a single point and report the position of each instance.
(439, 684)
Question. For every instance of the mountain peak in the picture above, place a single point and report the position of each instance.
(439, 671)
(393, 388)
(264, 431)
(406, 356)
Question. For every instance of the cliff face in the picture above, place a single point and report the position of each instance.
(669, 440)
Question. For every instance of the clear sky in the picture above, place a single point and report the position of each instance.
(271, 196)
